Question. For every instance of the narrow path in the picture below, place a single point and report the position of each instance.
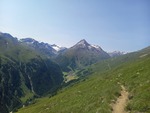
(119, 106)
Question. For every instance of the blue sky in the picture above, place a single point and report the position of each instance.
(112, 24)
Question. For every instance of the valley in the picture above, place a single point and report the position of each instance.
(36, 78)
(97, 92)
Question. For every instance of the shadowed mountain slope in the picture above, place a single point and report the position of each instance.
(24, 73)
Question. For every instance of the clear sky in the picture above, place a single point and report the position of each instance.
(112, 24)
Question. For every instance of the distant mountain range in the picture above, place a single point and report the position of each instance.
(77, 56)
(116, 53)
(54, 50)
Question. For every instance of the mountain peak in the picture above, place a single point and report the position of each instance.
(84, 44)
(83, 41)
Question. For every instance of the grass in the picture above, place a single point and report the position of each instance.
(89, 96)
(96, 93)
(27, 93)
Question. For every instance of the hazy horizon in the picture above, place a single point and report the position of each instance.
(122, 25)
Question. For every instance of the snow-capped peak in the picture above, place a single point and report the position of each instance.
(116, 53)
(84, 44)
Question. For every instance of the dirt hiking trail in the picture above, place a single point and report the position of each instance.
(120, 104)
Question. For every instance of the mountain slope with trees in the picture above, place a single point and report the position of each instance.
(24, 73)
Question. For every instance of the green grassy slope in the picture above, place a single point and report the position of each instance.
(107, 65)
(97, 92)
(111, 63)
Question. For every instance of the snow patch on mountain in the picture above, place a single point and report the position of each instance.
(57, 48)
(95, 46)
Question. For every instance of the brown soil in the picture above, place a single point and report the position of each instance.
(119, 106)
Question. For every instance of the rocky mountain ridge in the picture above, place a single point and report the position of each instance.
(50, 50)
